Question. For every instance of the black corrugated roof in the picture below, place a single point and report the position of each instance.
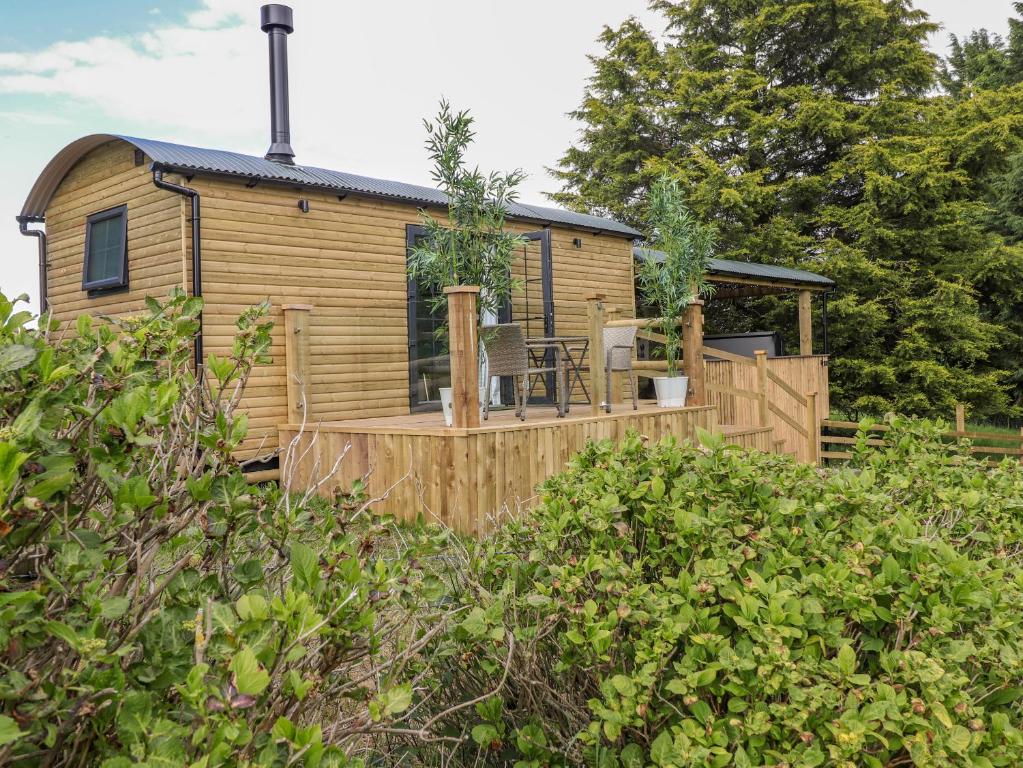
(183, 158)
(747, 269)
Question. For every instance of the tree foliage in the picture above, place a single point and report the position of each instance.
(812, 135)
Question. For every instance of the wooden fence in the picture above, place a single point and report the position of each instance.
(789, 394)
(838, 437)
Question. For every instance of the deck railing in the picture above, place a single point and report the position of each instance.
(724, 378)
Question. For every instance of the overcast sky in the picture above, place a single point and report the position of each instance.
(363, 75)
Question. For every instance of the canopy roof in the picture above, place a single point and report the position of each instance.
(734, 279)
(192, 160)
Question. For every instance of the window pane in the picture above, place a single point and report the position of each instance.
(105, 259)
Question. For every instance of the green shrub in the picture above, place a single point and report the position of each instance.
(674, 605)
(156, 609)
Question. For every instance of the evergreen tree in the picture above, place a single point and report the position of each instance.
(984, 60)
(809, 132)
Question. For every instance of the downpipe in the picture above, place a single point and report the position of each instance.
(193, 196)
(40, 235)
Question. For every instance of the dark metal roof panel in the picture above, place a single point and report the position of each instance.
(196, 159)
(726, 267)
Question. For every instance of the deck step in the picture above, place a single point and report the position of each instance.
(749, 436)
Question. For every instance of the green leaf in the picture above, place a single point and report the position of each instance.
(114, 607)
(249, 675)
(662, 750)
(657, 487)
(396, 700)
(891, 570)
(305, 566)
(13, 357)
(958, 740)
(484, 733)
(846, 660)
(252, 607)
(9, 731)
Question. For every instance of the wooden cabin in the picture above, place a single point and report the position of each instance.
(356, 367)
(300, 236)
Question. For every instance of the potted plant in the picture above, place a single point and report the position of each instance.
(470, 247)
(673, 275)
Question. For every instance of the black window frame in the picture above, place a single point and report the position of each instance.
(118, 282)
(412, 233)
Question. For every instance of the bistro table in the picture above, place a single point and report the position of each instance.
(573, 354)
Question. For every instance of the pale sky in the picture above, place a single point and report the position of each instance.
(363, 75)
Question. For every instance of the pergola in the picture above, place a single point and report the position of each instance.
(742, 279)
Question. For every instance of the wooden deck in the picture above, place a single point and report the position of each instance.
(470, 479)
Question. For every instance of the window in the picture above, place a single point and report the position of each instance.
(429, 364)
(106, 250)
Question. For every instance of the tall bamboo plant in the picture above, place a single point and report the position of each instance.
(471, 247)
(672, 284)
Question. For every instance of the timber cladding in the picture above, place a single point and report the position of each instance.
(346, 257)
(467, 479)
(105, 178)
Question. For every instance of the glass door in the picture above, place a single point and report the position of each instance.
(532, 307)
(429, 364)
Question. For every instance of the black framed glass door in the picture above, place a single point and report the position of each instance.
(532, 307)
(429, 363)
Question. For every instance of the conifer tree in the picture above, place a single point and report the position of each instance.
(811, 133)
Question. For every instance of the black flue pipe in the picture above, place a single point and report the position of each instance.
(40, 236)
(277, 21)
(193, 196)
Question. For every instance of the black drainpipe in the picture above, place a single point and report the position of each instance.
(40, 235)
(193, 195)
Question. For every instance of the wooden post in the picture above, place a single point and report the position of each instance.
(595, 316)
(805, 323)
(960, 417)
(761, 358)
(463, 337)
(296, 360)
(615, 395)
(692, 353)
(813, 438)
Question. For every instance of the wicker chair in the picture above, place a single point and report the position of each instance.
(508, 355)
(618, 344)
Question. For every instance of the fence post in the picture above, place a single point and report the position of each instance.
(813, 438)
(465, 355)
(296, 360)
(595, 316)
(612, 312)
(960, 417)
(761, 358)
(805, 323)
(692, 353)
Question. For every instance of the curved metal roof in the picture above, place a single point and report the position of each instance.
(190, 160)
(749, 270)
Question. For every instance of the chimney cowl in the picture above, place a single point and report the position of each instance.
(276, 16)
(278, 22)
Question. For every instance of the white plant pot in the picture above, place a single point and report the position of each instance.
(446, 405)
(671, 391)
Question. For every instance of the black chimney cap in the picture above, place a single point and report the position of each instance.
(276, 16)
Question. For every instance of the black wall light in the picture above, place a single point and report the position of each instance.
(303, 205)
(577, 242)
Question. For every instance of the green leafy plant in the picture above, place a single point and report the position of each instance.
(157, 609)
(672, 284)
(471, 247)
(697, 605)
